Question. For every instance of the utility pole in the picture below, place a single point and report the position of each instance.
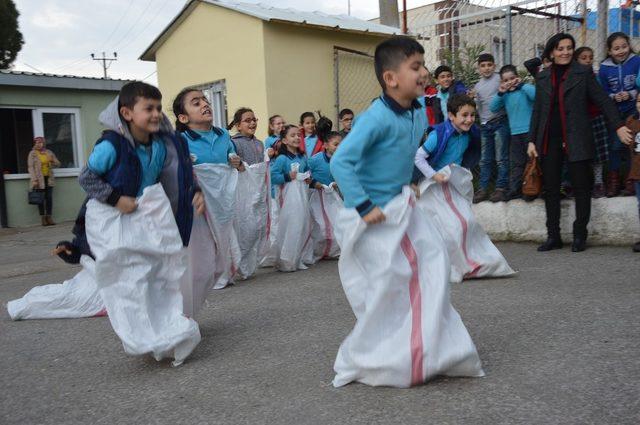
(106, 62)
(389, 14)
(602, 30)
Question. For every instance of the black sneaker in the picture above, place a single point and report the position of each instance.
(480, 195)
(636, 247)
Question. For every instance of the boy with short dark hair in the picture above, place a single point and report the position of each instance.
(346, 120)
(495, 133)
(456, 141)
(516, 98)
(138, 150)
(394, 269)
(446, 86)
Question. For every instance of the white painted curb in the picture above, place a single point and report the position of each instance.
(614, 221)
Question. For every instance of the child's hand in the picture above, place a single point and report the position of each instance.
(374, 216)
(472, 93)
(198, 203)
(624, 96)
(271, 152)
(503, 87)
(308, 180)
(126, 204)
(59, 249)
(293, 175)
(625, 135)
(532, 151)
(440, 178)
(416, 190)
(318, 185)
(236, 162)
(515, 83)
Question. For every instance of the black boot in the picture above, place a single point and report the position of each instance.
(552, 242)
(579, 240)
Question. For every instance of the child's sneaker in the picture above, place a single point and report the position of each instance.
(498, 195)
(629, 188)
(598, 191)
(480, 195)
(636, 247)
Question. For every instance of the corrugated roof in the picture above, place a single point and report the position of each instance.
(38, 79)
(273, 14)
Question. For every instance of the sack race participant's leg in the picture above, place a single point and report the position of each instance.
(74, 298)
(140, 263)
(325, 205)
(201, 274)
(251, 216)
(471, 252)
(293, 241)
(218, 183)
(396, 278)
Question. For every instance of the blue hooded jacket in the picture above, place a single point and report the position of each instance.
(616, 78)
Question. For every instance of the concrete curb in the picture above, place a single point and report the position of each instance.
(614, 221)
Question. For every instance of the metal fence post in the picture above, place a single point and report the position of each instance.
(336, 76)
(508, 38)
(603, 27)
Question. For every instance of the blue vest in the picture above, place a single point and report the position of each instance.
(126, 174)
(444, 131)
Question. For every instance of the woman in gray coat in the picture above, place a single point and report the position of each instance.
(560, 129)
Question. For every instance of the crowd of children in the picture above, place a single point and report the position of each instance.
(394, 264)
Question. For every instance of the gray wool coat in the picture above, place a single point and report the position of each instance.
(580, 87)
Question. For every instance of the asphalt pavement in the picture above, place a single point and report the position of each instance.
(560, 344)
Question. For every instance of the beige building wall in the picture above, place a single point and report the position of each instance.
(300, 70)
(214, 43)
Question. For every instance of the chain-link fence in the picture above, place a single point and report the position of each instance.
(355, 80)
(455, 31)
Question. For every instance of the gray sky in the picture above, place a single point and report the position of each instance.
(61, 34)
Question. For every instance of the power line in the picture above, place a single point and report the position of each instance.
(145, 27)
(117, 25)
(154, 72)
(134, 24)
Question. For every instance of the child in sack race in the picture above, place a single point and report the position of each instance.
(393, 265)
(138, 150)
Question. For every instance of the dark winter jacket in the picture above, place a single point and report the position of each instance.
(578, 87)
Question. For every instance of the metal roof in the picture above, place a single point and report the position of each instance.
(269, 13)
(35, 79)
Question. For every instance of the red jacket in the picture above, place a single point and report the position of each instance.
(319, 147)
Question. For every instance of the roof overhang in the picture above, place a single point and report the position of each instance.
(59, 81)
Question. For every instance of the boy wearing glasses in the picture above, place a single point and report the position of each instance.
(346, 120)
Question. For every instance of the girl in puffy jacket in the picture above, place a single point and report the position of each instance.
(618, 74)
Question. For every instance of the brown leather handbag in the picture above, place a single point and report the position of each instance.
(532, 178)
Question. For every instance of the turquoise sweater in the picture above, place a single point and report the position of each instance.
(519, 107)
(375, 161)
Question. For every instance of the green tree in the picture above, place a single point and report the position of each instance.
(10, 36)
(463, 62)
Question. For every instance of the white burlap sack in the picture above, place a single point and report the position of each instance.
(293, 246)
(140, 263)
(325, 205)
(74, 298)
(251, 222)
(218, 183)
(396, 278)
(201, 273)
(471, 252)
